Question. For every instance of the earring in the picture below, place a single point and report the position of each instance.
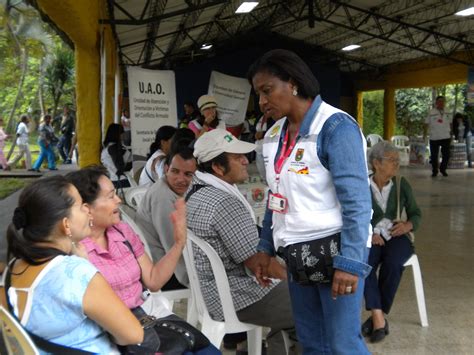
(295, 91)
(91, 223)
(73, 243)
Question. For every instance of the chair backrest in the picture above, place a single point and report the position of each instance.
(400, 141)
(220, 276)
(373, 139)
(137, 165)
(141, 233)
(16, 339)
(130, 178)
(134, 196)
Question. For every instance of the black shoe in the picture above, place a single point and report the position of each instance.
(379, 334)
(434, 174)
(67, 161)
(367, 327)
(31, 169)
(52, 169)
(231, 340)
(444, 173)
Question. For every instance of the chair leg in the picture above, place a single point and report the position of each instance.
(420, 294)
(254, 341)
(287, 341)
(192, 313)
(214, 332)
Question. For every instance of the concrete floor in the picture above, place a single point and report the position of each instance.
(444, 245)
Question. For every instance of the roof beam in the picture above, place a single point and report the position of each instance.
(141, 22)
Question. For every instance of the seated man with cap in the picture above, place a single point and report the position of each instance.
(219, 214)
(208, 120)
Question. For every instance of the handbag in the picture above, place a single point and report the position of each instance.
(168, 335)
(311, 263)
(403, 215)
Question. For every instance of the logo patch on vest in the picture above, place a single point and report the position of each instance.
(302, 171)
(299, 154)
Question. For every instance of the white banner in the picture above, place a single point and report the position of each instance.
(152, 95)
(232, 95)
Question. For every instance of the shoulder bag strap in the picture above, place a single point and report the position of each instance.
(40, 342)
(398, 186)
(194, 188)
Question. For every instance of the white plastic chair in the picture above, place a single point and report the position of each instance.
(131, 180)
(173, 295)
(134, 195)
(215, 330)
(137, 165)
(401, 142)
(373, 139)
(420, 294)
(16, 340)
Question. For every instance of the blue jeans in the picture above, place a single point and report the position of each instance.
(324, 325)
(45, 152)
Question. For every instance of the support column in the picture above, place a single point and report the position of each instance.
(87, 89)
(389, 113)
(360, 108)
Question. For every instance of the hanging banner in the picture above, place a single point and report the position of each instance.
(470, 87)
(232, 95)
(152, 95)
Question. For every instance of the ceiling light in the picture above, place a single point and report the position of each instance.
(206, 46)
(246, 7)
(350, 47)
(466, 12)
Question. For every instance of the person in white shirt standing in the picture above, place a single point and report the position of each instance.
(22, 143)
(438, 124)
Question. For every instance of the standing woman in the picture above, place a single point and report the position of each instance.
(208, 120)
(154, 167)
(319, 204)
(115, 157)
(58, 296)
(462, 133)
(46, 141)
(22, 133)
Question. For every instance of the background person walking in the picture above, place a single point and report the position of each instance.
(22, 132)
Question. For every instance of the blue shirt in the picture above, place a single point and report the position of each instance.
(56, 312)
(340, 150)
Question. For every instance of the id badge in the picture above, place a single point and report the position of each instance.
(277, 203)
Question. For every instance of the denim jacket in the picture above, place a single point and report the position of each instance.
(340, 150)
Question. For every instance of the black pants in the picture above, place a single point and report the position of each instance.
(434, 148)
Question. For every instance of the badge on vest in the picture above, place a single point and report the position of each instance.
(299, 154)
(277, 203)
(274, 131)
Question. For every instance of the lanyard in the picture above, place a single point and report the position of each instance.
(284, 153)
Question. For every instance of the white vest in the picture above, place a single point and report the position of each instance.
(314, 211)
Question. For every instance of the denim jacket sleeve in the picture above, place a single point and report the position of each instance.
(340, 150)
(265, 243)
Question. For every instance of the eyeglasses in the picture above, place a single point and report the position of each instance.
(392, 160)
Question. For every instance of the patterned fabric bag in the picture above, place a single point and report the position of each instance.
(310, 263)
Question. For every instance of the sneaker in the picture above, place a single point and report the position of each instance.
(444, 173)
(52, 169)
(67, 161)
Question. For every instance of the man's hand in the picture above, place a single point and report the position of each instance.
(259, 264)
(343, 284)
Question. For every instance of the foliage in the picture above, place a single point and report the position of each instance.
(373, 112)
(412, 106)
(27, 46)
(10, 185)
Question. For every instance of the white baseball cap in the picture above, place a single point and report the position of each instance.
(218, 141)
(206, 101)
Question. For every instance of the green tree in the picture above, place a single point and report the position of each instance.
(412, 105)
(373, 112)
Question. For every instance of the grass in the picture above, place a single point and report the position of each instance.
(10, 185)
